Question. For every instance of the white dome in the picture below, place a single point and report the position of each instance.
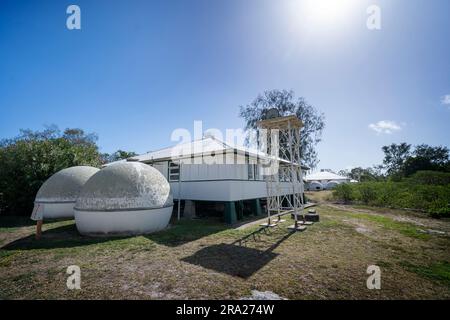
(65, 185)
(124, 198)
(315, 185)
(58, 194)
(331, 184)
(125, 186)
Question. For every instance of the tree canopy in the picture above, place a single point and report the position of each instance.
(395, 155)
(286, 103)
(362, 174)
(401, 160)
(29, 159)
(118, 155)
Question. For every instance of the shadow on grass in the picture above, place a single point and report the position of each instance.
(233, 259)
(67, 236)
(15, 221)
(60, 237)
(184, 231)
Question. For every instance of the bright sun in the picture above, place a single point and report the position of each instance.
(323, 13)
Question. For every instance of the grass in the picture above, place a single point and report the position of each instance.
(406, 229)
(12, 223)
(320, 197)
(188, 230)
(439, 271)
(6, 257)
(198, 259)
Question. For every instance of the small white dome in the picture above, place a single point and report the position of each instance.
(65, 185)
(315, 185)
(331, 184)
(57, 196)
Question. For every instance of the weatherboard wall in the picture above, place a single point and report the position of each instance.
(218, 182)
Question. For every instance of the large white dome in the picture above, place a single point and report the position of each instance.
(124, 198)
(58, 194)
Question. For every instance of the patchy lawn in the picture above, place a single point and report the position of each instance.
(198, 259)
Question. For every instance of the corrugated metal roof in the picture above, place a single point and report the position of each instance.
(206, 145)
(202, 146)
(324, 175)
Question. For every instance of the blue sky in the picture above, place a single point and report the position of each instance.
(137, 70)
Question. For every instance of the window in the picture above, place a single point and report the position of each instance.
(253, 172)
(174, 171)
(257, 177)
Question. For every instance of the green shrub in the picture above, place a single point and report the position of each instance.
(431, 198)
(430, 177)
(31, 158)
(367, 193)
(343, 192)
(439, 210)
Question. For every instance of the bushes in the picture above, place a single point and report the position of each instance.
(439, 210)
(431, 198)
(28, 160)
(367, 193)
(343, 192)
(430, 177)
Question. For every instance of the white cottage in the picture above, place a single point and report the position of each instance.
(324, 180)
(211, 174)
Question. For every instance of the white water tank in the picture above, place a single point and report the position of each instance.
(331, 184)
(56, 197)
(315, 186)
(122, 199)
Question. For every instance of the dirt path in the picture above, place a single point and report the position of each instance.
(425, 223)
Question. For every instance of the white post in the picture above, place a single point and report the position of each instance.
(179, 189)
(293, 174)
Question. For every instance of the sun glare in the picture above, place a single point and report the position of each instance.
(322, 13)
